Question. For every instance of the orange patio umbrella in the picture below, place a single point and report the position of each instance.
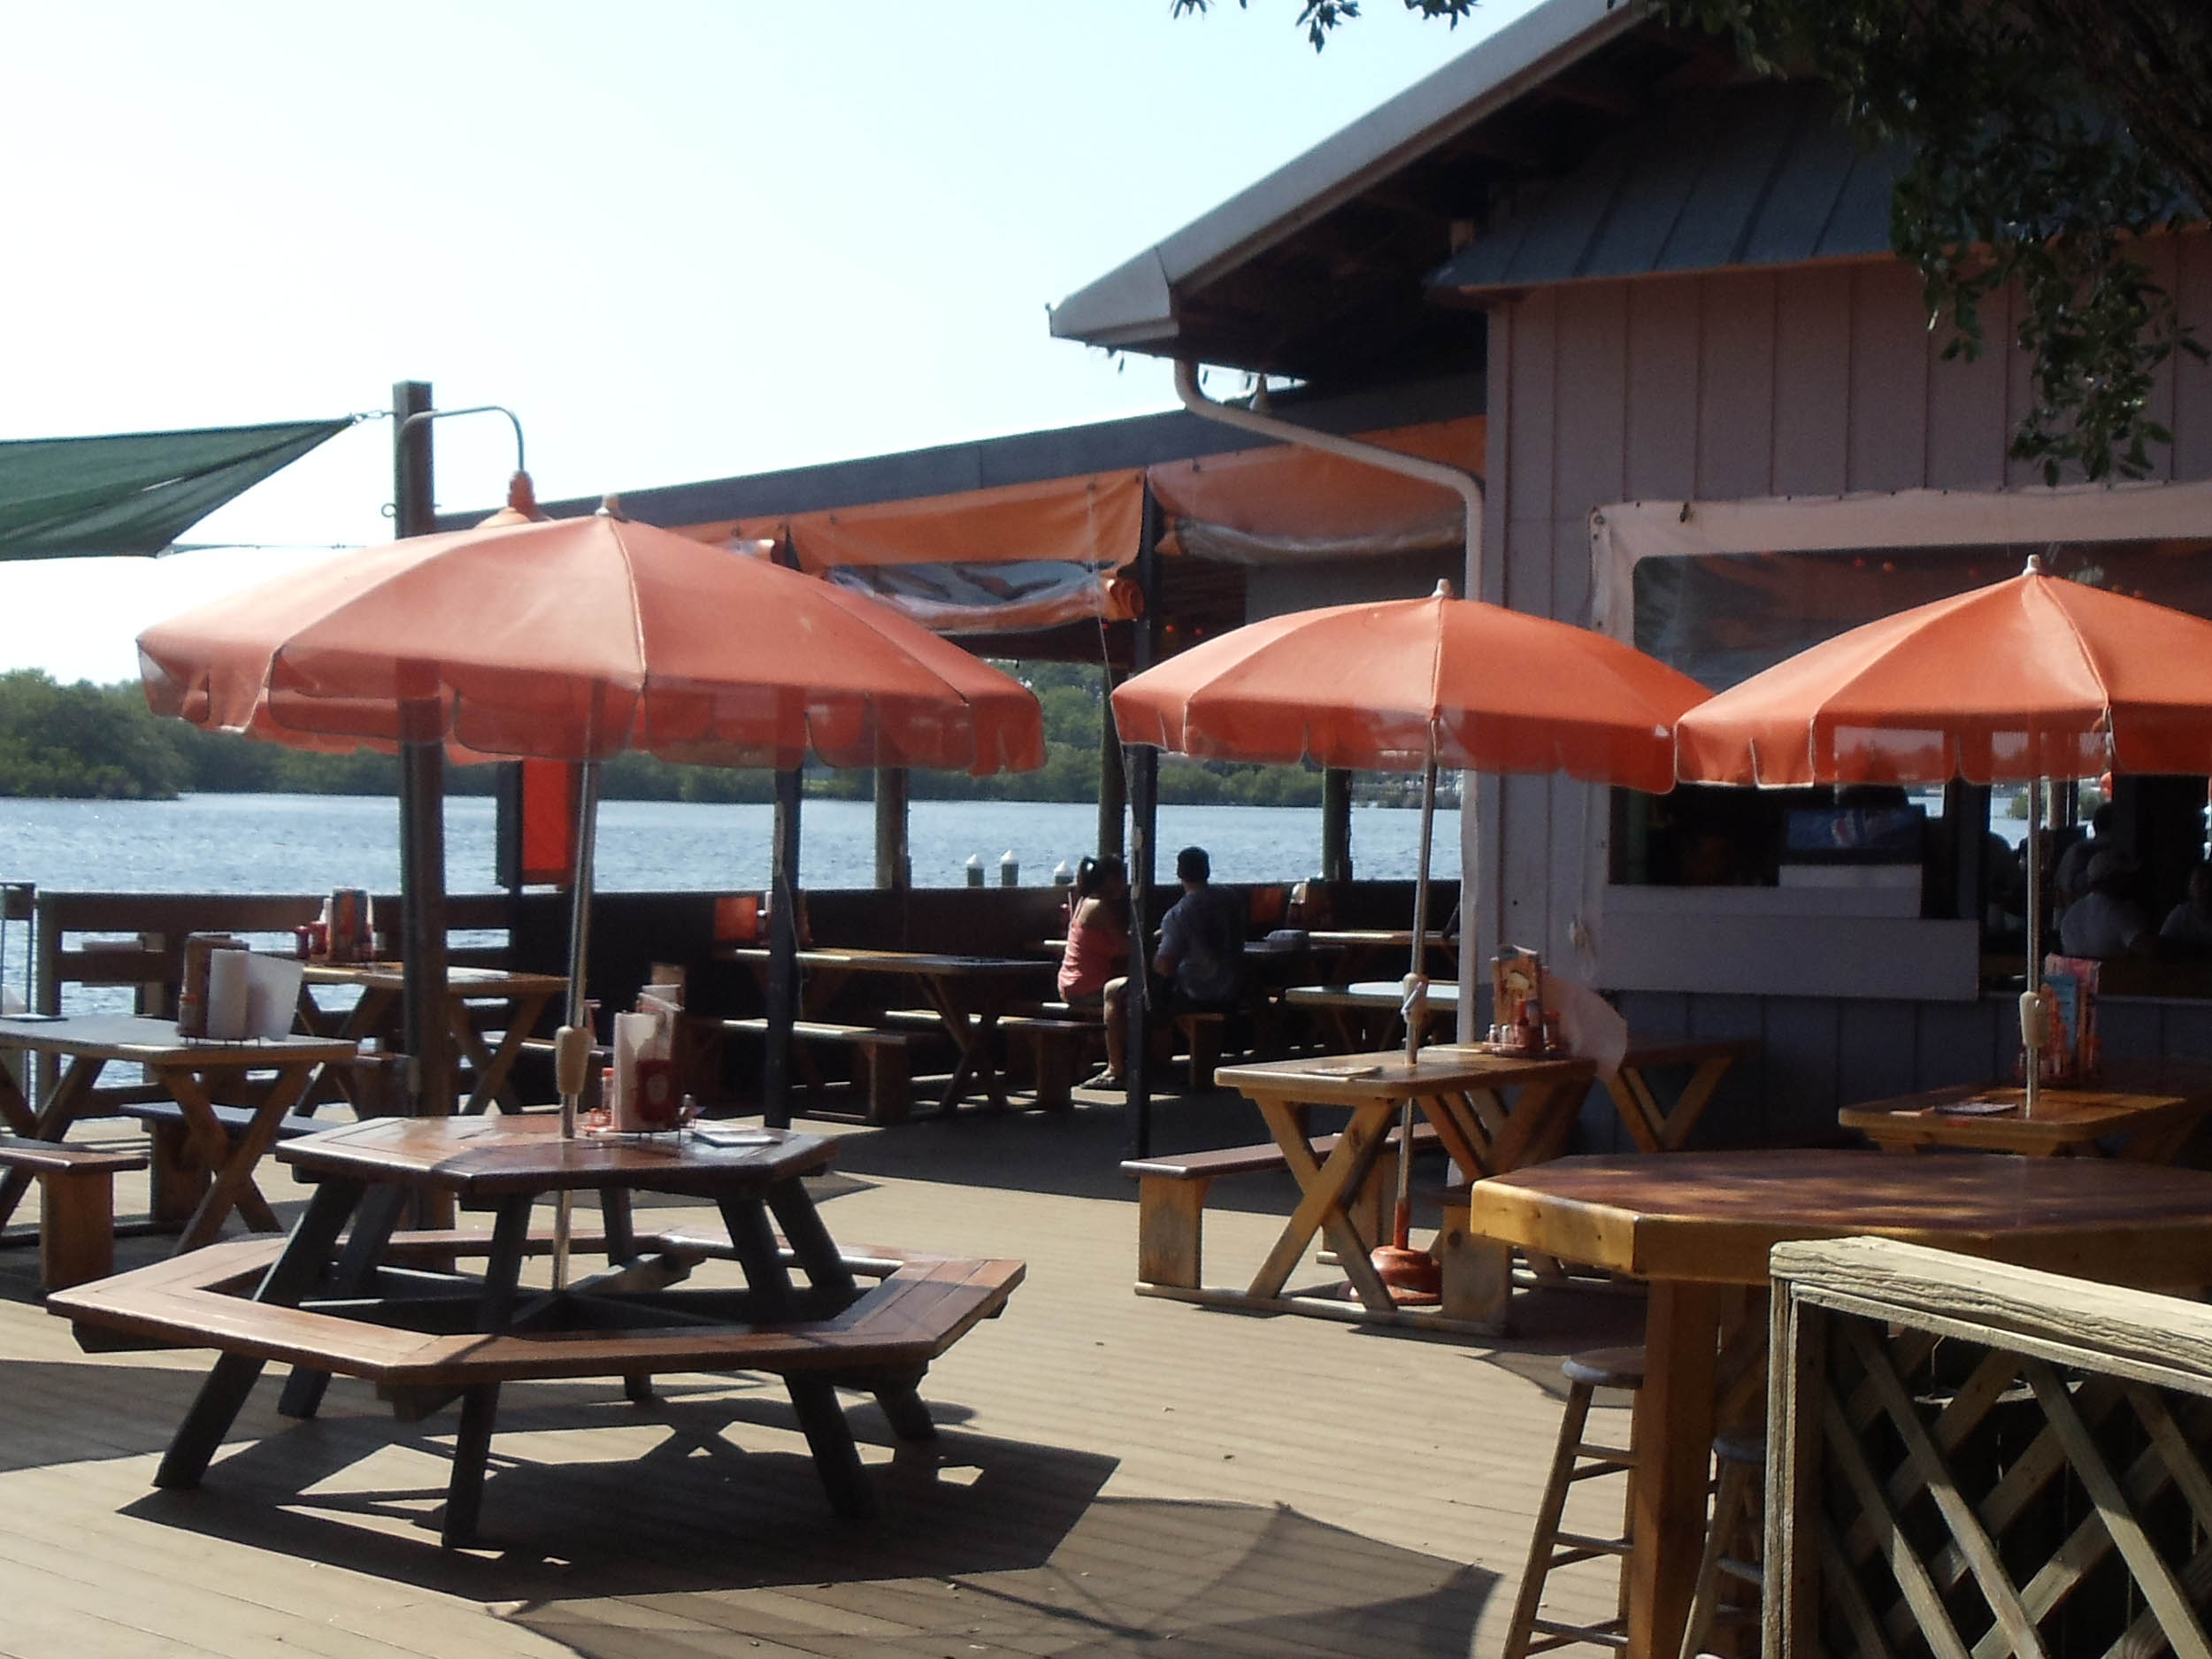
(578, 638)
(2033, 677)
(1412, 685)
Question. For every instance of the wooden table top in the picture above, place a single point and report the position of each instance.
(1714, 1217)
(928, 962)
(1348, 1079)
(525, 1153)
(156, 1042)
(2129, 1097)
(462, 982)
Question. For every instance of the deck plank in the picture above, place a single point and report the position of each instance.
(1112, 1470)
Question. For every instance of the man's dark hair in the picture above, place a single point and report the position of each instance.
(1191, 864)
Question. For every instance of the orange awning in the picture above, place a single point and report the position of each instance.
(1266, 506)
(1051, 552)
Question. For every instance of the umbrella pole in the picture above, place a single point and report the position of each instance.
(578, 951)
(1393, 1261)
(2031, 1031)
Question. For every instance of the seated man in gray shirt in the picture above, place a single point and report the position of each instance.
(1202, 938)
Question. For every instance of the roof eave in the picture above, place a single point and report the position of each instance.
(1131, 308)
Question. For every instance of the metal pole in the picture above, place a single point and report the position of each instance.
(783, 954)
(1142, 770)
(578, 967)
(426, 1038)
(2031, 1031)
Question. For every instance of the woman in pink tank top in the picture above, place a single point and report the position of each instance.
(1094, 963)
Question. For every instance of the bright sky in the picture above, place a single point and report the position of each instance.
(681, 240)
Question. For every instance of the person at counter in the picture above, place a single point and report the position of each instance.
(2071, 879)
(2187, 929)
(2105, 921)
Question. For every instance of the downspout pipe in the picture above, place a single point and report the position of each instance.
(1469, 489)
(1463, 484)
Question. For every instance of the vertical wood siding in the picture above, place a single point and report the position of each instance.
(1803, 381)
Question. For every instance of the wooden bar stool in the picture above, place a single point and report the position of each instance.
(1574, 1459)
(1735, 1543)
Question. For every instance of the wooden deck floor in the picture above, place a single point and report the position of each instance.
(1115, 1475)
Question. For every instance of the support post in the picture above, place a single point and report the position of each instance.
(783, 953)
(1113, 782)
(895, 865)
(1336, 825)
(1142, 770)
(429, 1038)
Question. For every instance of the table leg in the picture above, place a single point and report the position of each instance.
(1690, 1105)
(15, 1111)
(1325, 1187)
(62, 1102)
(289, 1278)
(493, 1067)
(233, 1187)
(829, 1437)
(479, 1403)
(373, 1219)
(972, 1030)
(828, 1278)
(1674, 1439)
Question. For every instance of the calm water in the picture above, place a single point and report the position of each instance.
(282, 843)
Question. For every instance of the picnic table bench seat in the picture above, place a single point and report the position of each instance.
(883, 1066)
(76, 1205)
(889, 1334)
(1172, 1200)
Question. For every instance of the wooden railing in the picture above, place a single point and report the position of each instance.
(1971, 1459)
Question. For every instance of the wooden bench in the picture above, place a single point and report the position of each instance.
(883, 1070)
(1172, 1200)
(180, 1176)
(1056, 1047)
(76, 1206)
(1201, 1034)
(882, 1343)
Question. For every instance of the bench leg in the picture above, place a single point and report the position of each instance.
(472, 1450)
(76, 1227)
(1478, 1274)
(886, 1081)
(830, 1438)
(901, 1403)
(1203, 1032)
(1053, 1060)
(1170, 1218)
(179, 1179)
(214, 1408)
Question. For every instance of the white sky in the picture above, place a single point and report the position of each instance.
(682, 239)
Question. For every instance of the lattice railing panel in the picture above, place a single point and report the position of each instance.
(1968, 1461)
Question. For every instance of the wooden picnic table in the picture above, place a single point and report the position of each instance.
(969, 996)
(2146, 1111)
(190, 1071)
(1365, 1013)
(1700, 1226)
(427, 1335)
(1357, 952)
(1491, 1113)
(377, 1014)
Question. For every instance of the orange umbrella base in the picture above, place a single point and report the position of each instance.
(1412, 1277)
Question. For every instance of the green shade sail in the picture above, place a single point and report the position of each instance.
(134, 493)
